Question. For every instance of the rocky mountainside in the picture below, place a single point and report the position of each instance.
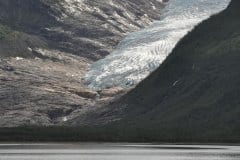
(87, 28)
(194, 95)
(46, 46)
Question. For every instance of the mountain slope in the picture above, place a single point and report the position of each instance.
(86, 28)
(46, 46)
(195, 92)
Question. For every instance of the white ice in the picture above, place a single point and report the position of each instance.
(142, 52)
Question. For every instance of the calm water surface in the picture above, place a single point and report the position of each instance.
(117, 152)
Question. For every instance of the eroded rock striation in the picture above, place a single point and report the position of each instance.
(47, 46)
(86, 28)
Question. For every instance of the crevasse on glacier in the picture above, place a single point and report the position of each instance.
(143, 51)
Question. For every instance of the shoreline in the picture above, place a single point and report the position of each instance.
(123, 144)
(111, 134)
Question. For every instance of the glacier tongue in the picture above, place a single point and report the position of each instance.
(143, 51)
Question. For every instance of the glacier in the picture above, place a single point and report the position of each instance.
(141, 52)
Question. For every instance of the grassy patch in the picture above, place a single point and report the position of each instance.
(16, 43)
(4, 31)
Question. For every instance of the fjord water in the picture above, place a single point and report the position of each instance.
(117, 152)
(143, 51)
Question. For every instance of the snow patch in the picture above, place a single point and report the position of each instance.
(65, 119)
(19, 58)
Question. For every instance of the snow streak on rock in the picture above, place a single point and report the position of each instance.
(142, 52)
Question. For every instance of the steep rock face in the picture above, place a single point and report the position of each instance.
(46, 47)
(87, 28)
(195, 92)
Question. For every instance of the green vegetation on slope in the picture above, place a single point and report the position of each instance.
(20, 25)
(105, 134)
(16, 43)
(196, 91)
(4, 31)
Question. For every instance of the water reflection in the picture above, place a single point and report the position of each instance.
(92, 151)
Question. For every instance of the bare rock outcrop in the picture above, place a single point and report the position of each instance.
(47, 46)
